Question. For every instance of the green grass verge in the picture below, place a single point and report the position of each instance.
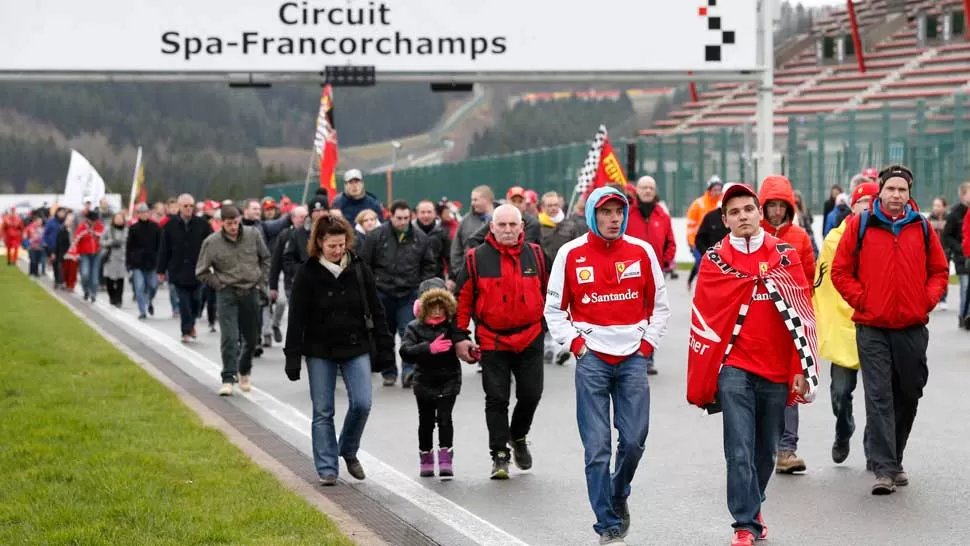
(94, 451)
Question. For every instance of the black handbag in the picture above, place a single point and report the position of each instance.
(368, 319)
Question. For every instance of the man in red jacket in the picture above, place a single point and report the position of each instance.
(777, 200)
(650, 221)
(13, 234)
(88, 245)
(608, 301)
(752, 350)
(501, 287)
(892, 281)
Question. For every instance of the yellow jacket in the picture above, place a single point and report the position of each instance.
(833, 316)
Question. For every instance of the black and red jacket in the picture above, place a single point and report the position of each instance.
(503, 290)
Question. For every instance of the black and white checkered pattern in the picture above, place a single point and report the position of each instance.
(742, 314)
(592, 162)
(797, 329)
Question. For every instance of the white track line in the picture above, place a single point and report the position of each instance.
(448, 512)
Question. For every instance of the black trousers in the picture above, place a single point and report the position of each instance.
(116, 290)
(498, 367)
(894, 372)
(435, 410)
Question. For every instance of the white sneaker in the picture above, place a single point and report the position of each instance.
(942, 306)
(226, 389)
(245, 384)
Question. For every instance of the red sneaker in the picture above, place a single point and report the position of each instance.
(764, 527)
(743, 537)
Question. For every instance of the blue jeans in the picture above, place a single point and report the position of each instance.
(37, 260)
(189, 300)
(754, 417)
(963, 295)
(626, 384)
(145, 283)
(789, 437)
(90, 268)
(399, 312)
(173, 294)
(323, 382)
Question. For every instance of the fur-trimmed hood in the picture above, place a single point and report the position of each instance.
(436, 296)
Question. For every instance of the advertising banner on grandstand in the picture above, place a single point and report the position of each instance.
(396, 36)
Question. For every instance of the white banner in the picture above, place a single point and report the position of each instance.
(83, 182)
(404, 36)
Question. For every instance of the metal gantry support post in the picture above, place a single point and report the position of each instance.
(766, 105)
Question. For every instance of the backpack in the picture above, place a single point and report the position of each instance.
(538, 255)
(864, 224)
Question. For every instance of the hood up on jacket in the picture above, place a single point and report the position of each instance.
(436, 296)
(594, 198)
(778, 188)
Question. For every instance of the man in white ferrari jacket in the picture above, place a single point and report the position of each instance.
(607, 300)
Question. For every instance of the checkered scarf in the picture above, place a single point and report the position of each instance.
(796, 311)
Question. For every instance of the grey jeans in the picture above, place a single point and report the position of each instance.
(238, 330)
(894, 373)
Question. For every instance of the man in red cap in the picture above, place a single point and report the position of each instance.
(607, 301)
(891, 268)
(836, 331)
(751, 350)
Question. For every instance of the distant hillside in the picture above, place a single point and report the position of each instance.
(199, 138)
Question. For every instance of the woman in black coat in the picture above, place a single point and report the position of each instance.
(336, 323)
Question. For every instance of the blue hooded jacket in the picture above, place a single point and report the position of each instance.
(594, 198)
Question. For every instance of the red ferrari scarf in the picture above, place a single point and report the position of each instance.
(720, 305)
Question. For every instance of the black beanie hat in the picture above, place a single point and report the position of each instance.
(896, 171)
(318, 202)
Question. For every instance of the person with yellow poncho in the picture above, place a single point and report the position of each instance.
(836, 331)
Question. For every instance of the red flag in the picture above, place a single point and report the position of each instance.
(326, 144)
(609, 171)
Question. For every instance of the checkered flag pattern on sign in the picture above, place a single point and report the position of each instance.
(592, 162)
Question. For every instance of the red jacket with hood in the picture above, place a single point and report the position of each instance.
(656, 230)
(779, 188)
(894, 280)
(505, 297)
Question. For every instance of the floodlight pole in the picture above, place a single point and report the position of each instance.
(766, 107)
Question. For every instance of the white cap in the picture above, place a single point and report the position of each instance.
(352, 174)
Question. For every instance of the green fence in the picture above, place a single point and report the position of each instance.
(817, 152)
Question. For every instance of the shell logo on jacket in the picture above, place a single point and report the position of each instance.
(611, 293)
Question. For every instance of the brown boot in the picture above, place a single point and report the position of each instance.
(789, 463)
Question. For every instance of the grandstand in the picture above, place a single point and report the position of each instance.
(904, 65)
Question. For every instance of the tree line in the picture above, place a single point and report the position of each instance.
(195, 135)
(551, 123)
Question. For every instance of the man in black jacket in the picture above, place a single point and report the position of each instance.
(953, 245)
(401, 258)
(427, 221)
(182, 239)
(141, 257)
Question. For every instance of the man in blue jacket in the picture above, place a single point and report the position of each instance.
(355, 199)
(51, 228)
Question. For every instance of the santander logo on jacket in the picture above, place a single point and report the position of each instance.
(611, 293)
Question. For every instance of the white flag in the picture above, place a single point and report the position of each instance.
(83, 182)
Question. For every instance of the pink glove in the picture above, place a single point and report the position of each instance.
(440, 345)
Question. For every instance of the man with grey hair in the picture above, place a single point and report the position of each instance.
(509, 332)
(182, 239)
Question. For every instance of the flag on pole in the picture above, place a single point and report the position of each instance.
(83, 182)
(325, 143)
(137, 186)
(601, 167)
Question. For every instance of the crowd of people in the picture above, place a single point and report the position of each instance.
(527, 281)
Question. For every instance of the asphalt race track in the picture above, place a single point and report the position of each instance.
(679, 492)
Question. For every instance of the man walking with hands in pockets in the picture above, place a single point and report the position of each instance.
(607, 300)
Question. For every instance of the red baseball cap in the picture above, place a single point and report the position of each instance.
(868, 189)
(515, 191)
(871, 174)
(609, 196)
(735, 190)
